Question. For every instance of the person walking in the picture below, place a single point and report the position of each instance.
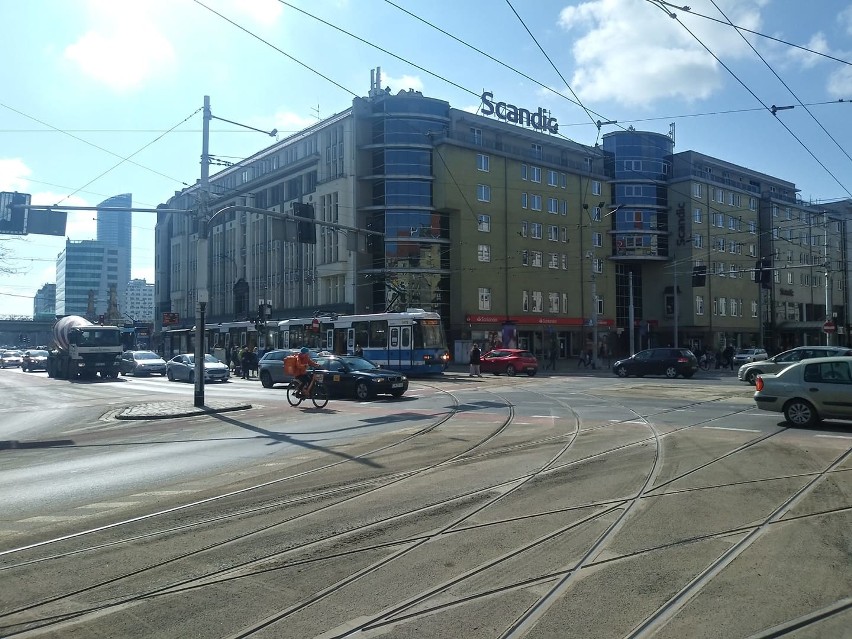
(359, 352)
(475, 360)
(729, 357)
(245, 362)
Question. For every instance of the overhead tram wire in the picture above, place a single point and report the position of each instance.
(127, 159)
(93, 145)
(659, 5)
(757, 33)
(786, 86)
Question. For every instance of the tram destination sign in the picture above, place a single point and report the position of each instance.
(539, 120)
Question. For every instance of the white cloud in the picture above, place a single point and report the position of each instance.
(13, 175)
(840, 83)
(262, 12)
(402, 84)
(845, 19)
(805, 59)
(630, 51)
(287, 121)
(125, 47)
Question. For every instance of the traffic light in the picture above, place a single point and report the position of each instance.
(306, 231)
(13, 221)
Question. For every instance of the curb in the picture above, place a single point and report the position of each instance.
(168, 410)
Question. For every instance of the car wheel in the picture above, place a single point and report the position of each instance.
(531, 373)
(510, 370)
(266, 379)
(191, 379)
(362, 391)
(397, 393)
(621, 371)
(671, 372)
(751, 376)
(170, 376)
(800, 413)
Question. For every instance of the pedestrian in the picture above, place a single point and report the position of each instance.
(475, 359)
(602, 355)
(729, 357)
(254, 359)
(245, 362)
(359, 352)
(554, 352)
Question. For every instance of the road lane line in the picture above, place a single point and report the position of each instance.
(835, 436)
(742, 430)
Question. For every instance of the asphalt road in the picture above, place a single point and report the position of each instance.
(555, 506)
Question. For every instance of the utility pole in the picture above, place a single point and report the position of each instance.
(675, 306)
(201, 257)
(631, 313)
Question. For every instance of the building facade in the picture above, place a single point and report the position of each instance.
(513, 233)
(138, 302)
(44, 303)
(85, 272)
(115, 229)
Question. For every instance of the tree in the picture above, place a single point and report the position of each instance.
(6, 255)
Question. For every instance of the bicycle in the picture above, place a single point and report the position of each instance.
(319, 393)
(706, 362)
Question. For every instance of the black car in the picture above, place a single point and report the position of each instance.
(34, 361)
(350, 376)
(670, 362)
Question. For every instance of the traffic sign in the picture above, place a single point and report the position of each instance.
(829, 327)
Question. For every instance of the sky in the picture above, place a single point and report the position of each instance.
(102, 97)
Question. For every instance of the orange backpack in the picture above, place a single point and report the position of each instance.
(291, 365)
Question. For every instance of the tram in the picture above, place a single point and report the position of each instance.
(411, 342)
(221, 339)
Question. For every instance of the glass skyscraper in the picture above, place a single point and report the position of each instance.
(114, 229)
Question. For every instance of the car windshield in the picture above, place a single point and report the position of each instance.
(748, 351)
(354, 363)
(38, 353)
(208, 359)
(145, 355)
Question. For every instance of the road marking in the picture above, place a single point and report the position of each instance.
(163, 493)
(742, 430)
(110, 504)
(48, 518)
(544, 416)
(835, 436)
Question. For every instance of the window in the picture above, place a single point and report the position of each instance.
(483, 223)
(524, 172)
(476, 136)
(719, 220)
(789, 278)
(732, 223)
(699, 305)
(554, 302)
(563, 234)
(752, 227)
(733, 307)
(484, 299)
(564, 302)
(564, 262)
(596, 214)
(535, 230)
(535, 202)
(525, 300)
(723, 306)
(563, 207)
(524, 200)
(597, 239)
(719, 196)
(553, 262)
(535, 150)
(483, 192)
(536, 300)
(697, 216)
(754, 308)
(752, 204)
(596, 187)
(698, 241)
(524, 228)
(553, 205)
(483, 162)
(535, 173)
(536, 258)
(553, 233)
(600, 305)
(483, 253)
(552, 178)
(774, 210)
(597, 265)
(525, 258)
(698, 191)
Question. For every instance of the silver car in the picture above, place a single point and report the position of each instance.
(139, 363)
(10, 358)
(746, 355)
(270, 368)
(182, 367)
(749, 372)
(809, 391)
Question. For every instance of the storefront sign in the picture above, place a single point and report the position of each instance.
(539, 120)
(540, 321)
(681, 225)
(787, 292)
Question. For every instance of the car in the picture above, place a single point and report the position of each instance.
(808, 391)
(670, 362)
(34, 360)
(270, 367)
(510, 361)
(182, 367)
(749, 372)
(352, 376)
(138, 363)
(746, 355)
(10, 359)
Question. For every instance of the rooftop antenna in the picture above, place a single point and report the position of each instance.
(316, 111)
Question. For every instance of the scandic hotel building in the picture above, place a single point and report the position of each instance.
(513, 233)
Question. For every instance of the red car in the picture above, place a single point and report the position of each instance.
(510, 361)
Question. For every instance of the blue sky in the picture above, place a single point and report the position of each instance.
(89, 83)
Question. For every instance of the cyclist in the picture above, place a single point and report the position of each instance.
(303, 361)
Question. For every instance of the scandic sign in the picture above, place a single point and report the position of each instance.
(547, 321)
(539, 120)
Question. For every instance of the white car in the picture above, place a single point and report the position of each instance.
(748, 355)
(182, 367)
(11, 358)
(808, 391)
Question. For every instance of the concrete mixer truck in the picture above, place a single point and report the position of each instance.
(83, 349)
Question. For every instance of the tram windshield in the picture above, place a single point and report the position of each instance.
(429, 334)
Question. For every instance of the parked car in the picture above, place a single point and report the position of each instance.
(746, 355)
(510, 361)
(670, 362)
(182, 367)
(270, 368)
(138, 363)
(10, 359)
(351, 376)
(808, 391)
(34, 360)
(749, 372)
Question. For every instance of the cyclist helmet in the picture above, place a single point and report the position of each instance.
(305, 349)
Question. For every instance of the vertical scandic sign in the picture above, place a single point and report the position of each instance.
(13, 221)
